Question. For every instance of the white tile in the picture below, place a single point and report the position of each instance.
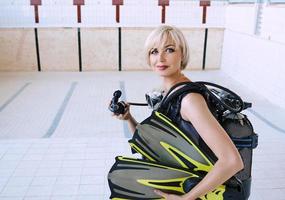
(90, 197)
(70, 171)
(44, 181)
(78, 145)
(72, 163)
(50, 164)
(40, 144)
(56, 151)
(94, 163)
(6, 172)
(276, 194)
(11, 198)
(17, 151)
(14, 191)
(74, 156)
(33, 157)
(58, 145)
(25, 172)
(92, 180)
(92, 171)
(65, 190)
(37, 198)
(63, 197)
(19, 181)
(75, 150)
(30, 164)
(39, 191)
(15, 157)
(47, 172)
(68, 180)
(54, 157)
(8, 164)
(38, 150)
(3, 181)
(91, 190)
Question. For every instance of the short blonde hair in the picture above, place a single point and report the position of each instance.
(160, 35)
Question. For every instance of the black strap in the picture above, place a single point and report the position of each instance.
(187, 87)
(233, 95)
(250, 142)
(201, 88)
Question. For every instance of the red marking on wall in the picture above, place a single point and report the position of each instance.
(78, 3)
(205, 4)
(163, 4)
(36, 3)
(117, 3)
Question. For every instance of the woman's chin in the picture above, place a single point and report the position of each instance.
(163, 73)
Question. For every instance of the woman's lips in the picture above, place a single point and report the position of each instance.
(161, 67)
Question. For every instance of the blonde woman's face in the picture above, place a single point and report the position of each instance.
(166, 58)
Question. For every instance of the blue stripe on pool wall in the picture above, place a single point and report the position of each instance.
(13, 97)
(266, 121)
(60, 112)
(127, 132)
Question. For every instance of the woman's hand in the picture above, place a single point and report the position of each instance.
(170, 196)
(127, 115)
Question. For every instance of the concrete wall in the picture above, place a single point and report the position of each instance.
(57, 33)
(214, 48)
(133, 56)
(58, 49)
(133, 48)
(17, 50)
(99, 49)
(255, 60)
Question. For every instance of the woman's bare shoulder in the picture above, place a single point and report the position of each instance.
(193, 100)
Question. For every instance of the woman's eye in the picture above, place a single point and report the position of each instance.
(170, 50)
(154, 51)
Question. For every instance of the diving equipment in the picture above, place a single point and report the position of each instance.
(159, 140)
(164, 143)
(136, 179)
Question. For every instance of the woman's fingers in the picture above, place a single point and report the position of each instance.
(161, 193)
(169, 196)
(126, 114)
(120, 116)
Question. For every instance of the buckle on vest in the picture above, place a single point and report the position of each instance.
(246, 142)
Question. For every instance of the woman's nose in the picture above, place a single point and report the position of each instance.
(161, 56)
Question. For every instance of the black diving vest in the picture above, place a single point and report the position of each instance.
(236, 124)
(172, 110)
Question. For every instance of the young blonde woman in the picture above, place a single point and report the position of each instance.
(167, 55)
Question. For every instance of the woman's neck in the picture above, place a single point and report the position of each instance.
(168, 82)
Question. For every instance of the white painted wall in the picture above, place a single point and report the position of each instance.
(273, 22)
(240, 18)
(256, 61)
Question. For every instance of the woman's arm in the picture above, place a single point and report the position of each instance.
(195, 110)
(132, 124)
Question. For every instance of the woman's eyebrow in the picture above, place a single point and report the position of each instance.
(169, 45)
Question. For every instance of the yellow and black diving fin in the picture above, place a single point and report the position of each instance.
(136, 179)
(158, 139)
